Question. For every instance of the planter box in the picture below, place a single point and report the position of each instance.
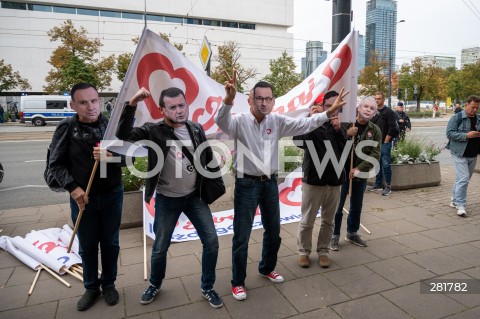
(408, 176)
(132, 212)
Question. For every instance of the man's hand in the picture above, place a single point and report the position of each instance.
(353, 172)
(352, 131)
(230, 87)
(473, 134)
(101, 154)
(80, 197)
(316, 109)
(339, 102)
(141, 95)
(335, 123)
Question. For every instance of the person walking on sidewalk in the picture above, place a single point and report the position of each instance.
(464, 145)
(386, 120)
(259, 131)
(404, 124)
(320, 191)
(72, 156)
(366, 133)
(177, 189)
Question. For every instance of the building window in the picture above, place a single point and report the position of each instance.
(88, 12)
(229, 24)
(38, 7)
(13, 5)
(174, 19)
(213, 23)
(110, 14)
(193, 21)
(135, 16)
(64, 10)
(155, 18)
(247, 26)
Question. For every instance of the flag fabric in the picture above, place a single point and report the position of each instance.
(290, 194)
(157, 65)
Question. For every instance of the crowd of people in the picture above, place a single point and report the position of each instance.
(75, 151)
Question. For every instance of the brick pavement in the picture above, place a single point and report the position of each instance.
(415, 236)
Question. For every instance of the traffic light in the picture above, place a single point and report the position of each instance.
(399, 94)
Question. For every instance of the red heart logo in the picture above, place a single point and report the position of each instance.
(283, 195)
(151, 206)
(155, 61)
(345, 56)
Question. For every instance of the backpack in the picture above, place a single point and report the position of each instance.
(52, 183)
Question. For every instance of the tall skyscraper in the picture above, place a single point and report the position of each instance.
(381, 30)
(315, 55)
(361, 53)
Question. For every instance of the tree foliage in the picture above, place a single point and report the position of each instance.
(10, 79)
(75, 60)
(372, 78)
(282, 74)
(228, 59)
(123, 60)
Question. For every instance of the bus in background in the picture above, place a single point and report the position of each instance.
(43, 109)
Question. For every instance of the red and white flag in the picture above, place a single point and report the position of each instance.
(157, 65)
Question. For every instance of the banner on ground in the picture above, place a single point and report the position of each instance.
(157, 65)
(290, 195)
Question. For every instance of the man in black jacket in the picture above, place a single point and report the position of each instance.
(320, 189)
(403, 121)
(176, 184)
(72, 157)
(386, 120)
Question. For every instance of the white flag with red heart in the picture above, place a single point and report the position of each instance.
(157, 65)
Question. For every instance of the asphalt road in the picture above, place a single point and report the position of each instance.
(23, 152)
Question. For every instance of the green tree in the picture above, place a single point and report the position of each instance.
(372, 78)
(282, 74)
(470, 77)
(228, 59)
(75, 60)
(10, 79)
(123, 60)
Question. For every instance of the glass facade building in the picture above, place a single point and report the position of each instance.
(315, 55)
(381, 30)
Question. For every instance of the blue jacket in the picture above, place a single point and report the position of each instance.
(457, 129)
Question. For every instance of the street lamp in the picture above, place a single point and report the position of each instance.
(390, 69)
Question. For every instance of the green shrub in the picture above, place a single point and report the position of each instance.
(413, 149)
(130, 181)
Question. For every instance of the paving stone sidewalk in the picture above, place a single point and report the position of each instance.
(415, 236)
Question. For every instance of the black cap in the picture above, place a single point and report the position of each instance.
(400, 104)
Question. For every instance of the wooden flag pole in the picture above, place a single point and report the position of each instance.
(56, 276)
(79, 217)
(34, 281)
(73, 274)
(364, 228)
(144, 252)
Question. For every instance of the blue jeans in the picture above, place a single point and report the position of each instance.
(167, 211)
(463, 172)
(100, 223)
(356, 203)
(249, 194)
(385, 168)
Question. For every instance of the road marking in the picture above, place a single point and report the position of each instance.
(31, 161)
(24, 186)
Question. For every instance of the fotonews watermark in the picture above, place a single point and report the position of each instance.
(234, 163)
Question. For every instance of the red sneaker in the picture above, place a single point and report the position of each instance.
(274, 277)
(239, 292)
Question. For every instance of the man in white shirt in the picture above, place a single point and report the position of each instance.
(256, 135)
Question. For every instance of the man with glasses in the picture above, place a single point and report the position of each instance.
(177, 185)
(256, 134)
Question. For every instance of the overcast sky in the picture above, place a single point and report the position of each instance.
(433, 27)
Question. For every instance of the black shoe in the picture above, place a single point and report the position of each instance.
(356, 240)
(214, 299)
(386, 191)
(111, 296)
(149, 294)
(88, 299)
(374, 188)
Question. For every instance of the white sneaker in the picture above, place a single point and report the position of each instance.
(452, 204)
(461, 211)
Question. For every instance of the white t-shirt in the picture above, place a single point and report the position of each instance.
(178, 175)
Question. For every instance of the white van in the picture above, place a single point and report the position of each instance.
(43, 109)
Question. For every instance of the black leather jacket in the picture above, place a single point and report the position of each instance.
(159, 133)
(71, 156)
(323, 133)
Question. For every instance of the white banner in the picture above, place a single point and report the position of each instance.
(157, 65)
(290, 195)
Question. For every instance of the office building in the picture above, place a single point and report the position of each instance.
(381, 31)
(260, 28)
(443, 62)
(470, 56)
(315, 55)
(361, 53)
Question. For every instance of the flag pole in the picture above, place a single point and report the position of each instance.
(92, 175)
(34, 281)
